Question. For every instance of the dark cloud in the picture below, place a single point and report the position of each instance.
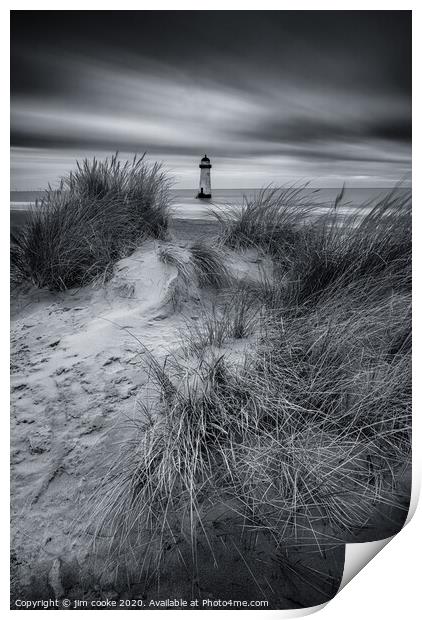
(312, 130)
(293, 89)
(371, 48)
(398, 130)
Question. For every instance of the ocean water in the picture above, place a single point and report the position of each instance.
(186, 206)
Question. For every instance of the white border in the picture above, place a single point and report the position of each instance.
(389, 586)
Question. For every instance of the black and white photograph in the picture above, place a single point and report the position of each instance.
(210, 304)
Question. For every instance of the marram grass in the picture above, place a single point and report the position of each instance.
(100, 213)
(306, 439)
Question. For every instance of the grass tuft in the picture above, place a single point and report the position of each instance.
(101, 211)
(270, 219)
(339, 250)
(209, 265)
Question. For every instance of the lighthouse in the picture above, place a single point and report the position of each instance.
(205, 178)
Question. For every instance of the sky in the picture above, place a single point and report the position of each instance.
(272, 97)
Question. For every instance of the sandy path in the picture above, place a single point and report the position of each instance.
(76, 374)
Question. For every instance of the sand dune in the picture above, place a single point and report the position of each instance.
(77, 378)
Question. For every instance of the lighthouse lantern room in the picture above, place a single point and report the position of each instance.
(205, 178)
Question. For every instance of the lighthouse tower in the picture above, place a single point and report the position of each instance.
(205, 178)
